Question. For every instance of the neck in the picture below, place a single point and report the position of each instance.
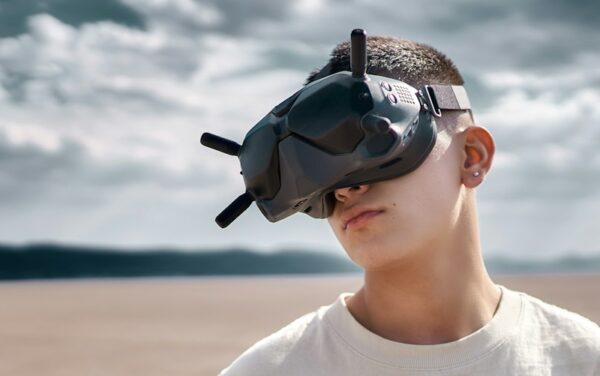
(440, 295)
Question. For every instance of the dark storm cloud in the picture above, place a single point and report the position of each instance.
(235, 18)
(14, 13)
(580, 14)
(527, 35)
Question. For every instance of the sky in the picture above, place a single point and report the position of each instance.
(103, 102)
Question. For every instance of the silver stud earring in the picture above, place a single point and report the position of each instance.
(476, 173)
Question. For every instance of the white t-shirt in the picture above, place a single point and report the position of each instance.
(526, 336)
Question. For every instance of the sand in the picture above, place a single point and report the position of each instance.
(186, 326)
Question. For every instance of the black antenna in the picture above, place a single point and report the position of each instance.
(240, 204)
(219, 143)
(237, 207)
(358, 53)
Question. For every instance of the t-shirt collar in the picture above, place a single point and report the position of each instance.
(411, 356)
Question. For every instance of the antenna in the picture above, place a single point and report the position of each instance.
(358, 53)
(240, 204)
(237, 207)
(219, 143)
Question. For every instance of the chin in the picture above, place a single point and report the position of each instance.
(369, 256)
(377, 255)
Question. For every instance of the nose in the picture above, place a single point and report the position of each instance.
(346, 193)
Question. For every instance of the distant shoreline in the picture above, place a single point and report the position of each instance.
(50, 261)
(265, 277)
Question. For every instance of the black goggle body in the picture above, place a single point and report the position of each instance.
(342, 130)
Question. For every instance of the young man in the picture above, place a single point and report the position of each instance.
(428, 305)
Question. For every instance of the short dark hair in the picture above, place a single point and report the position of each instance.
(415, 63)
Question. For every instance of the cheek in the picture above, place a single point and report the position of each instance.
(438, 202)
(439, 182)
(418, 210)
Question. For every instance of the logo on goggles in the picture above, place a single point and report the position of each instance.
(346, 129)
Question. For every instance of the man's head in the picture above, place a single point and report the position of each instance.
(413, 63)
(428, 205)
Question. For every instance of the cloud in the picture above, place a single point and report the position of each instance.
(103, 110)
(51, 192)
(74, 13)
(70, 165)
(177, 15)
(539, 229)
(547, 143)
(93, 65)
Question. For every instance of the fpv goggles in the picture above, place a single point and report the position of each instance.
(342, 130)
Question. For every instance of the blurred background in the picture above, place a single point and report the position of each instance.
(102, 104)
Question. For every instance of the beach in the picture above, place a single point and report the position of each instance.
(188, 326)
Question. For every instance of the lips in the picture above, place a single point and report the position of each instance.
(354, 216)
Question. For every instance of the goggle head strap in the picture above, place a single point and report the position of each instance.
(444, 97)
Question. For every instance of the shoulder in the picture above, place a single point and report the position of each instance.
(560, 328)
(559, 317)
(280, 349)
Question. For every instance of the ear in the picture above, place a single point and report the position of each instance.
(478, 149)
